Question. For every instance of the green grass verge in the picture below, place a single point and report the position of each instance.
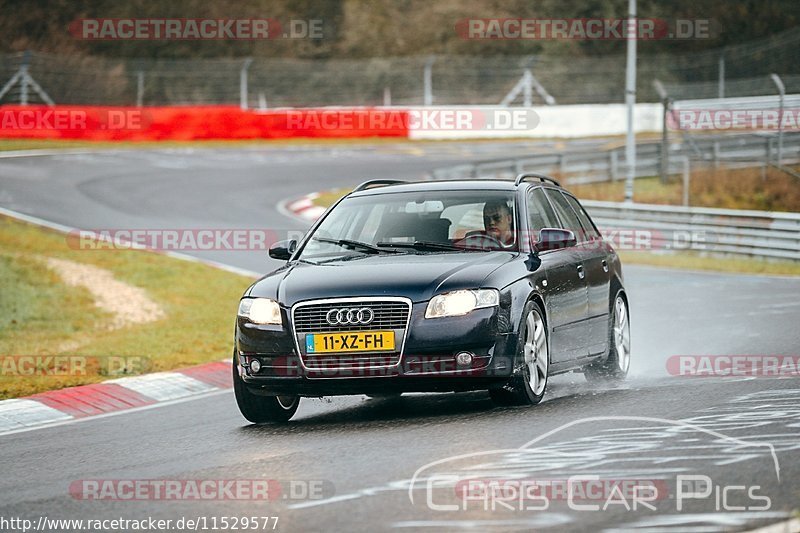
(726, 263)
(39, 314)
(746, 188)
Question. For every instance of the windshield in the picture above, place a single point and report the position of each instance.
(417, 222)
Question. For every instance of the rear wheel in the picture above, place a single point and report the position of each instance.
(616, 366)
(529, 381)
(262, 409)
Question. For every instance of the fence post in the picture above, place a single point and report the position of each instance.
(613, 164)
(715, 153)
(527, 89)
(767, 157)
(387, 97)
(721, 82)
(663, 166)
(782, 91)
(23, 82)
(243, 82)
(139, 88)
(686, 177)
(428, 81)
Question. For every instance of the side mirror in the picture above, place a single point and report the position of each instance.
(283, 250)
(554, 239)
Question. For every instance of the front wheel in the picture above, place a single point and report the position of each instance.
(529, 381)
(262, 409)
(618, 362)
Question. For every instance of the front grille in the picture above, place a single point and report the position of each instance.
(387, 315)
(349, 362)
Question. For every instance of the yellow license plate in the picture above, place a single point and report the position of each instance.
(356, 341)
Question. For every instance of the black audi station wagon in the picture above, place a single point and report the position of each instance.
(431, 287)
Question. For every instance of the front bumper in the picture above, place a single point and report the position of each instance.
(427, 362)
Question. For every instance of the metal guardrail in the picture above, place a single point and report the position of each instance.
(666, 227)
(730, 231)
(577, 168)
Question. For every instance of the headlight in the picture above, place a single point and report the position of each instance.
(461, 302)
(260, 310)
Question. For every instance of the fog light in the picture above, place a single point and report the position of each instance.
(255, 366)
(464, 359)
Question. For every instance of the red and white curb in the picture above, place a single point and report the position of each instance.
(303, 209)
(113, 396)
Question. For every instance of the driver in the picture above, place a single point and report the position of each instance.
(498, 222)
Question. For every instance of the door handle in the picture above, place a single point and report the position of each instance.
(581, 273)
(605, 265)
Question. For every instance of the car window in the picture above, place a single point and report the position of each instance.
(540, 213)
(464, 218)
(569, 220)
(450, 218)
(586, 223)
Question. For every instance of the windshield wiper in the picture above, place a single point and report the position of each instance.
(422, 245)
(356, 245)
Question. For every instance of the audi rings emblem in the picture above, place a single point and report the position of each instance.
(350, 316)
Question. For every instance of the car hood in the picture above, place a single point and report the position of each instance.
(415, 276)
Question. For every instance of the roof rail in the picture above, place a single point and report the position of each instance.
(541, 177)
(371, 183)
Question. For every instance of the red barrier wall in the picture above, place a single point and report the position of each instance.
(197, 122)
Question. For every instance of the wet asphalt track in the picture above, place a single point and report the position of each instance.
(365, 452)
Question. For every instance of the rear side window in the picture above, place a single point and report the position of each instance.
(540, 213)
(569, 220)
(588, 227)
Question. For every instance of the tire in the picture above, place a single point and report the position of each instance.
(529, 380)
(616, 365)
(262, 409)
